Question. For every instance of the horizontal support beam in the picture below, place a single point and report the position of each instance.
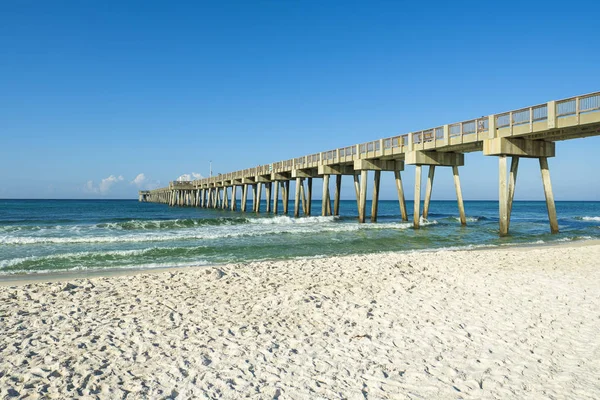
(248, 180)
(281, 176)
(336, 169)
(182, 187)
(263, 178)
(518, 147)
(435, 158)
(305, 173)
(378, 165)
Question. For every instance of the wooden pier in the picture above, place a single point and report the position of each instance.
(529, 132)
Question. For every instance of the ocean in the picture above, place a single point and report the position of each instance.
(49, 236)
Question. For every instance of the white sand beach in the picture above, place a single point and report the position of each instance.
(500, 323)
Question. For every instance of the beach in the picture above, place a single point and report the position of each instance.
(514, 322)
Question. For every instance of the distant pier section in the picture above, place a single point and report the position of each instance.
(530, 132)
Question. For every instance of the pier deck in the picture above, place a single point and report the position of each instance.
(527, 132)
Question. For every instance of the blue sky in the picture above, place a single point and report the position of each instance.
(95, 93)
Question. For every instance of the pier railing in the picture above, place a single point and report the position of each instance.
(537, 118)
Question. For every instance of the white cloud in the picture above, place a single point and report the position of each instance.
(115, 185)
(106, 183)
(139, 180)
(190, 177)
(104, 186)
(89, 187)
(142, 182)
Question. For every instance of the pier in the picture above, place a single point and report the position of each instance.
(530, 132)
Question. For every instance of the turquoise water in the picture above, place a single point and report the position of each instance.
(39, 236)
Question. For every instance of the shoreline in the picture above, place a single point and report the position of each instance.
(65, 276)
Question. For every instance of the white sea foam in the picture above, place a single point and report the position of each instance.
(455, 248)
(70, 256)
(425, 222)
(309, 226)
(595, 219)
(285, 220)
(469, 219)
(569, 239)
(131, 225)
(191, 263)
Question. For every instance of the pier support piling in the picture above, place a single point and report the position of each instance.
(244, 197)
(512, 182)
(428, 191)
(303, 197)
(357, 189)
(258, 195)
(417, 204)
(336, 198)
(286, 196)
(276, 197)
(325, 195)
(401, 199)
(375, 200)
(233, 198)
(297, 198)
(549, 195)
(363, 196)
(502, 195)
(268, 197)
(459, 198)
(309, 185)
